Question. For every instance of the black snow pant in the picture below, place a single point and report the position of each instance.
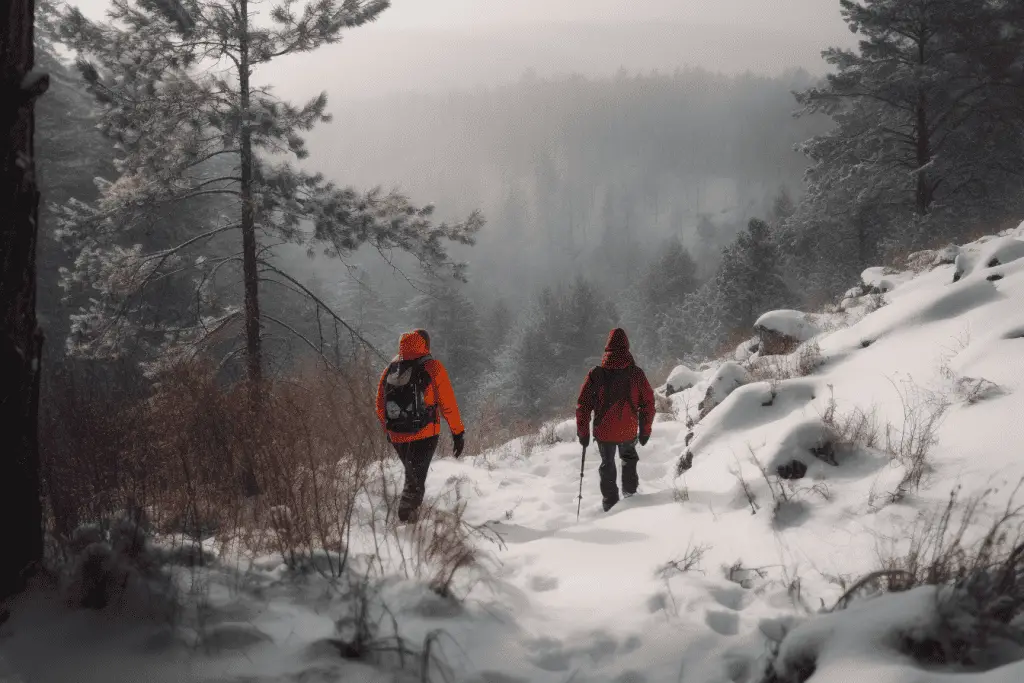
(630, 480)
(415, 457)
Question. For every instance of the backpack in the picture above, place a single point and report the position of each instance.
(617, 390)
(405, 407)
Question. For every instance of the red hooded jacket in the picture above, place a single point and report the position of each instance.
(618, 394)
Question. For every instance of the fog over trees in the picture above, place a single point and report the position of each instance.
(677, 202)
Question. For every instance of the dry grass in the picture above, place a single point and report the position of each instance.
(663, 404)
(856, 427)
(689, 561)
(911, 444)
(492, 429)
(195, 459)
(804, 361)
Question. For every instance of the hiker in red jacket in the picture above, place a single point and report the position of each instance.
(620, 397)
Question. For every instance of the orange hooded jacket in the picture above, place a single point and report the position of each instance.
(415, 345)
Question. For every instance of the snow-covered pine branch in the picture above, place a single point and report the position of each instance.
(195, 137)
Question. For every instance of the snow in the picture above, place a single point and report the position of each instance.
(727, 378)
(565, 431)
(596, 600)
(794, 324)
(996, 252)
(884, 279)
(681, 378)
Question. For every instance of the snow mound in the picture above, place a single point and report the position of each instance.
(796, 325)
(565, 431)
(681, 378)
(882, 280)
(995, 252)
(727, 378)
(878, 639)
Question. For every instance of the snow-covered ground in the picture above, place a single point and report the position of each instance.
(599, 599)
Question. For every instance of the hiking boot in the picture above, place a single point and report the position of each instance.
(609, 504)
(628, 495)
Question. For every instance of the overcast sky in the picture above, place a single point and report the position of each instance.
(427, 44)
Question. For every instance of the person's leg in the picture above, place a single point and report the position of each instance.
(609, 485)
(418, 455)
(630, 479)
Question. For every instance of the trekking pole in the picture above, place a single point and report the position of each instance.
(583, 463)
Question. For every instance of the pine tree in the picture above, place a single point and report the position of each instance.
(70, 153)
(919, 107)
(709, 246)
(694, 328)
(750, 280)
(455, 336)
(782, 207)
(498, 327)
(558, 339)
(188, 132)
(670, 277)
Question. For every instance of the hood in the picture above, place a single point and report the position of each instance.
(413, 345)
(616, 351)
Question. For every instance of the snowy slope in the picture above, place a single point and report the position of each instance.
(589, 600)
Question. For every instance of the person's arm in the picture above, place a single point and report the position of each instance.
(584, 408)
(381, 415)
(445, 396)
(647, 408)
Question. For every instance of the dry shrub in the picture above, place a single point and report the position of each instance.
(804, 361)
(911, 444)
(940, 550)
(86, 424)
(491, 428)
(663, 404)
(981, 579)
(732, 340)
(689, 561)
(440, 543)
(194, 451)
(856, 427)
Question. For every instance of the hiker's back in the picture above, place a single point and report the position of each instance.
(406, 405)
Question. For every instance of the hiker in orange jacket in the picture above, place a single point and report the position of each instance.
(619, 396)
(413, 394)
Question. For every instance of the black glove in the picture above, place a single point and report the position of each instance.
(585, 440)
(459, 442)
(644, 438)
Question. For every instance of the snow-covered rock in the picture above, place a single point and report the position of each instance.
(782, 331)
(880, 280)
(681, 378)
(729, 377)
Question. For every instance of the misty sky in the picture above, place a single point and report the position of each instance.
(427, 44)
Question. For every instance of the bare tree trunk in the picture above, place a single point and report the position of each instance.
(21, 512)
(250, 275)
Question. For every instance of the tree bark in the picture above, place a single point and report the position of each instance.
(250, 273)
(21, 510)
(250, 267)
